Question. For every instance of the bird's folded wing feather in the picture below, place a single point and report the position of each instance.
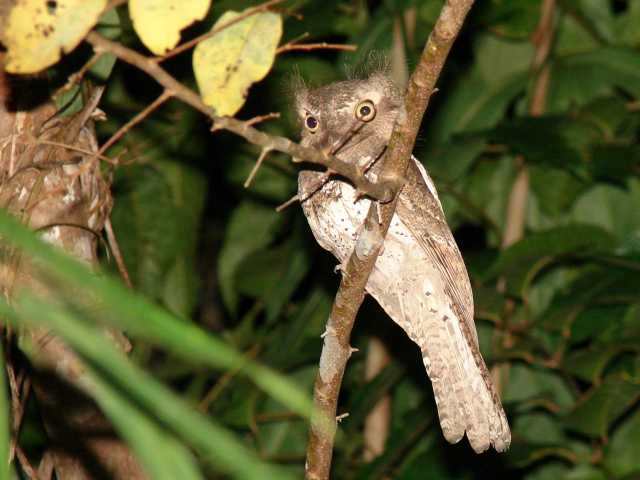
(418, 200)
(421, 211)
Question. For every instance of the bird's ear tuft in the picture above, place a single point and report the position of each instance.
(295, 89)
(376, 62)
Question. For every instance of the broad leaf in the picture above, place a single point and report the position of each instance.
(231, 60)
(594, 415)
(38, 32)
(159, 22)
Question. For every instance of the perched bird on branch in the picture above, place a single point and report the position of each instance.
(419, 278)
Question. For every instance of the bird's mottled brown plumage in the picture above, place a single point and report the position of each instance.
(420, 278)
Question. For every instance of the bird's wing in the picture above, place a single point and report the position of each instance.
(420, 210)
(441, 323)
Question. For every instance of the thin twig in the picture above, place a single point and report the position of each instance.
(25, 464)
(306, 47)
(221, 384)
(72, 130)
(254, 170)
(164, 96)
(336, 349)
(114, 4)
(117, 254)
(75, 78)
(319, 183)
(288, 203)
(381, 190)
(84, 151)
(16, 406)
(469, 206)
(192, 43)
(341, 417)
(46, 466)
(262, 118)
(20, 387)
(297, 39)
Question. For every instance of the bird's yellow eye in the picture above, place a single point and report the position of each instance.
(366, 111)
(311, 123)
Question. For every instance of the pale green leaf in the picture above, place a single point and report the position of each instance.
(230, 61)
(38, 32)
(158, 22)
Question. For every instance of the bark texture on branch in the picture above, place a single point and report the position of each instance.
(336, 349)
(59, 192)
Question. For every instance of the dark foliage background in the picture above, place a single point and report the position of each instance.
(564, 334)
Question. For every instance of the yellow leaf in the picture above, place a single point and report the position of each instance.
(228, 63)
(158, 22)
(38, 31)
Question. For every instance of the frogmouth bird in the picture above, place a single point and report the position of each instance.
(420, 278)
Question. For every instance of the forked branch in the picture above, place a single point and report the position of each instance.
(383, 191)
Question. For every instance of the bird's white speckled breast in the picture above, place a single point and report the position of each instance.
(335, 218)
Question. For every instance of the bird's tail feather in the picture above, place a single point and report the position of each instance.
(464, 394)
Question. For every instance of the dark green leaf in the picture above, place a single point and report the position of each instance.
(585, 472)
(621, 453)
(556, 189)
(271, 182)
(145, 320)
(108, 26)
(510, 19)
(479, 100)
(273, 275)
(548, 140)
(250, 228)
(615, 162)
(450, 160)
(572, 239)
(594, 415)
(580, 78)
(370, 393)
(588, 364)
(612, 209)
(526, 383)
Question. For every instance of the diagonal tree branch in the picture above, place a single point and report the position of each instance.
(383, 191)
(336, 349)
